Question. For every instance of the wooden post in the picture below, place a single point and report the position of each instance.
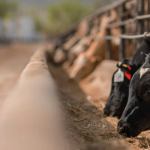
(108, 43)
(122, 44)
(140, 23)
(142, 13)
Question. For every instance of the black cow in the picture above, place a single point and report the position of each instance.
(120, 89)
(136, 116)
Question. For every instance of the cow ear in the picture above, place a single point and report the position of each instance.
(95, 59)
(126, 61)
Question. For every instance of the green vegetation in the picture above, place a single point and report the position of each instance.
(61, 16)
(39, 24)
(101, 3)
(7, 9)
(64, 14)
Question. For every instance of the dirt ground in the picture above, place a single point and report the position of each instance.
(85, 121)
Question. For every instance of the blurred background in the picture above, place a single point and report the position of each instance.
(81, 66)
(36, 20)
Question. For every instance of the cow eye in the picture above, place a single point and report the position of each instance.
(148, 92)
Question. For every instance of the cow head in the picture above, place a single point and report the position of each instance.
(136, 116)
(83, 66)
(119, 90)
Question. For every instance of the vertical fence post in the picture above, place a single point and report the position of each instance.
(140, 23)
(147, 20)
(148, 13)
(108, 42)
(122, 31)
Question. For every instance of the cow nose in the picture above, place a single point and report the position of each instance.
(109, 111)
(124, 129)
(106, 112)
(72, 76)
(120, 129)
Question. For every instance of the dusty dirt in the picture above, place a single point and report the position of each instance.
(13, 59)
(84, 119)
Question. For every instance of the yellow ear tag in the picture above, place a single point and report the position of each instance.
(125, 66)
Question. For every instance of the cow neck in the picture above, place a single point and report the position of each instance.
(94, 49)
(113, 16)
(137, 60)
(104, 22)
(147, 39)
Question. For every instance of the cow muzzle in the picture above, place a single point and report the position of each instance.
(72, 76)
(112, 111)
(124, 129)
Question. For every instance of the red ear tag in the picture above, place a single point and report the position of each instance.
(129, 67)
(128, 75)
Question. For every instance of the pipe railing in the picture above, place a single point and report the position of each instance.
(139, 20)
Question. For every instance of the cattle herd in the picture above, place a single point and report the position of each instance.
(80, 53)
(129, 97)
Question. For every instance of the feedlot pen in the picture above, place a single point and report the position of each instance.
(85, 121)
(83, 114)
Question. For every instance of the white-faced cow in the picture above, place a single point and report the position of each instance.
(135, 118)
(80, 47)
(121, 80)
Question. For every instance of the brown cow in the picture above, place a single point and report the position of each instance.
(60, 56)
(82, 29)
(95, 28)
(71, 42)
(61, 53)
(82, 46)
(131, 8)
(87, 61)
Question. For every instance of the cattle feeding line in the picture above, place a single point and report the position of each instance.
(97, 14)
(139, 19)
(94, 15)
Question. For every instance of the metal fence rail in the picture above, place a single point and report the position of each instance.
(122, 23)
(123, 36)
